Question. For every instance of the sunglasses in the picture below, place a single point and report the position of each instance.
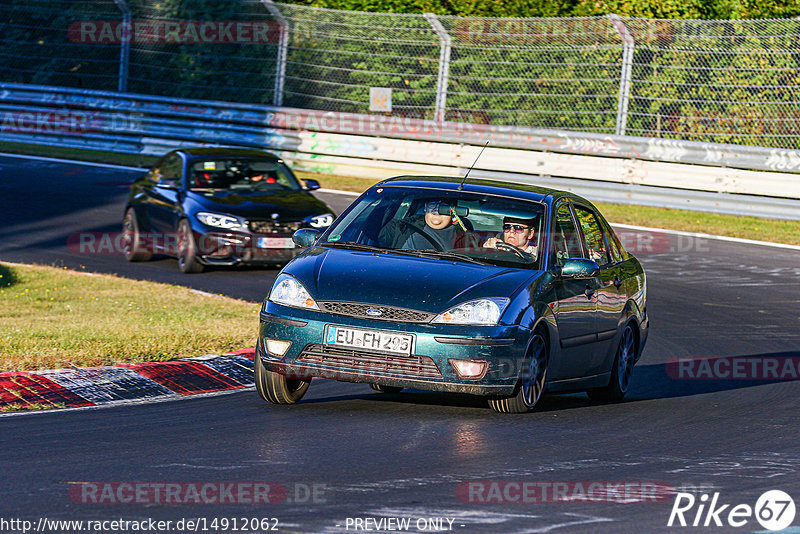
(514, 228)
(434, 207)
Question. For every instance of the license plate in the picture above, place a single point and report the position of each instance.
(275, 242)
(376, 340)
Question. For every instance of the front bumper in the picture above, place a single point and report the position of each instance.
(234, 248)
(427, 368)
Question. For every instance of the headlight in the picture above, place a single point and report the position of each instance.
(289, 292)
(475, 312)
(218, 220)
(321, 221)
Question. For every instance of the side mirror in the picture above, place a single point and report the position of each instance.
(172, 185)
(579, 268)
(305, 237)
(311, 185)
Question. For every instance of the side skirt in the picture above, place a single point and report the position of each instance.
(579, 384)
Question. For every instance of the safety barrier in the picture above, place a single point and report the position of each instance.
(381, 145)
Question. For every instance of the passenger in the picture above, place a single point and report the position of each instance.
(518, 232)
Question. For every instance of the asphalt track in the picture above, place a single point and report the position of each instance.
(377, 456)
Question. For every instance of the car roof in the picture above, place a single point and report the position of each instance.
(519, 190)
(227, 152)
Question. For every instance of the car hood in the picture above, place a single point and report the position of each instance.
(291, 205)
(425, 284)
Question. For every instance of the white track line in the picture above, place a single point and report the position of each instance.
(336, 191)
(709, 236)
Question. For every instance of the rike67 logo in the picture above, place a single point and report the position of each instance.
(774, 510)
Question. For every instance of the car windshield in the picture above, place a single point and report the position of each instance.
(251, 174)
(451, 225)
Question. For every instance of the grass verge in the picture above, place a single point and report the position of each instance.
(777, 230)
(52, 318)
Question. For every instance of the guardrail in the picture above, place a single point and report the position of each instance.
(380, 145)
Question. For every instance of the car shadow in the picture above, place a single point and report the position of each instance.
(666, 381)
(650, 382)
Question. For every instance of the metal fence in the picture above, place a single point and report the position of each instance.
(712, 81)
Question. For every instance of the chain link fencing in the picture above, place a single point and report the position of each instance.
(714, 81)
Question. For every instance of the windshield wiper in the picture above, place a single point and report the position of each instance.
(443, 254)
(405, 251)
(349, 245)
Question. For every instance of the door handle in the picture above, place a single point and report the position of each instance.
(589, 292)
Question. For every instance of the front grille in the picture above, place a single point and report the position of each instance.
(388, 313)
(273, 227)
(370, 363)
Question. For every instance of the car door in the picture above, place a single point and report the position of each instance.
(609, 293)
(575, 304)
(164, 198)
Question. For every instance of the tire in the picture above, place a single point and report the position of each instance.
(531, 380)
(620, 381)
(187, 249)
(392, 390)
(276, 388)
(132, 244)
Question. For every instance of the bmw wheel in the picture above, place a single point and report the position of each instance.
(621, 373)
(132, 243)
(187, 249)
(275, 387)
(531, 382)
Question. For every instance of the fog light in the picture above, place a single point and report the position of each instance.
(470, 368)
(277, 347)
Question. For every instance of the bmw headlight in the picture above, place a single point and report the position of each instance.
(321, 221)
(289, 292)
(484, 312)
(218, 220)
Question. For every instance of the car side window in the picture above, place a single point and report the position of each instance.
(170, 171)
(565, 239)
(593, 235)
(615, 246)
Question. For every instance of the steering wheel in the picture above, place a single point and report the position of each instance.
(507, 247)
(417, 230)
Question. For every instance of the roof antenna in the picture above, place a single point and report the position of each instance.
(461, 185)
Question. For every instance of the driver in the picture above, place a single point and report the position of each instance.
(438, 227)
(517, 231)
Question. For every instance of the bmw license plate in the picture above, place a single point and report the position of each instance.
(377, 340)
(275, 242)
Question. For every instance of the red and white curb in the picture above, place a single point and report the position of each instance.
(95, 386)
